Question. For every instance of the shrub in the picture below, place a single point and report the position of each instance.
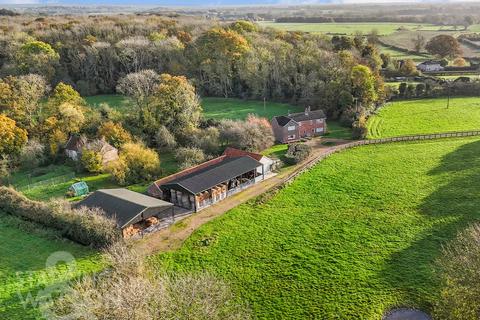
(359, 128)
(130, 289)
(188, 157)
(137, 163)
(32, 154)
(297, 153)
(255, 134)
(85, 226)
(165, 139)
(458, 269)
(91, 161)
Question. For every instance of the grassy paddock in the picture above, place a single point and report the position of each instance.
(353, 237)
(425, 116)
(25, 249)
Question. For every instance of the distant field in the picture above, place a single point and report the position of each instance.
(23, 272)
(115, 101)
(344, 28)
(397, 54)
(403, 39)
(351, 238)
(425, 116)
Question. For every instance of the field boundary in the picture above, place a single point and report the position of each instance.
(309, 164)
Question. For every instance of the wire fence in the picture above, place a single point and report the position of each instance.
(49, 182)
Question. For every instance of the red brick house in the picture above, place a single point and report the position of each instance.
(296, 126)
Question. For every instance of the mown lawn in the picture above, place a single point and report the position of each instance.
(33, 263)
(230, 108)
(425, 116)
(115, 101)
(353, 237)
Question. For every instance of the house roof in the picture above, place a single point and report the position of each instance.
(75, 143)
(213, 175)
(300, 116)
(125, 206)
(429, 62)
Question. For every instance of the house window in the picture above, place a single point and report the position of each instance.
(319, 130)
(319, 120)
(291, 128)
(290, 137)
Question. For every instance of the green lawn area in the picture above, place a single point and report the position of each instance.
(230, 108)
(351, 238)
(23, 267)
(115, 101)
(425, 116)
(344, 28)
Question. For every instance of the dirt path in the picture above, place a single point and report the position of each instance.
(172, 238)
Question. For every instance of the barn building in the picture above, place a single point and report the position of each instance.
(201, 186)
(133, 211)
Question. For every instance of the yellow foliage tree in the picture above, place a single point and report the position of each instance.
(12, 138)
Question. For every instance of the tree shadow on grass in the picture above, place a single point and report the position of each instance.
(450, 209)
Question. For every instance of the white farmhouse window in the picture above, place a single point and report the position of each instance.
(319, 130)
(291, 128)
(290, 137)
(319, 120)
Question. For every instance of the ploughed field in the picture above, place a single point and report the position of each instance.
(425, 116)
(349, 239)
(34, 264)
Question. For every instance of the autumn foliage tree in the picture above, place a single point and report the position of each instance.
(114, 133)
(218, 51)
(12, 138)
(37, 57)
(444, 46)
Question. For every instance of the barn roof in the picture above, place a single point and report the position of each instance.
(127, 207)
(213, 175)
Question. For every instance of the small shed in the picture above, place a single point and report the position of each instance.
(78, 189)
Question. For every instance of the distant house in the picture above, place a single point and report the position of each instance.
(76, 144)
(205, 184)
(296, 126)
(132, 211)
(430, 66)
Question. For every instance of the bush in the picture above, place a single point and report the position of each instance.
(85, 226)
(137, 163)
(188, 157)
(32, 154)
(165, 139)
(91, 161)
(359, 128)
(255, 134)
(458, 269)
(129, 288)
(297, 153)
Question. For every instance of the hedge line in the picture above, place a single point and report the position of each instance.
(85, 226)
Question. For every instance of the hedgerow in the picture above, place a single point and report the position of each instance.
(85, 226)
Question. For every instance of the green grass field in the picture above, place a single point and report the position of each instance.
(229, 108)
(397, 54)
(24, 274)
(351, 238)
(425, 116)
(115, 101)
(344, 28)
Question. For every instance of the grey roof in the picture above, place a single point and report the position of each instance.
(283, 120)
(213, 175)
(127, 207)
(300, 116)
